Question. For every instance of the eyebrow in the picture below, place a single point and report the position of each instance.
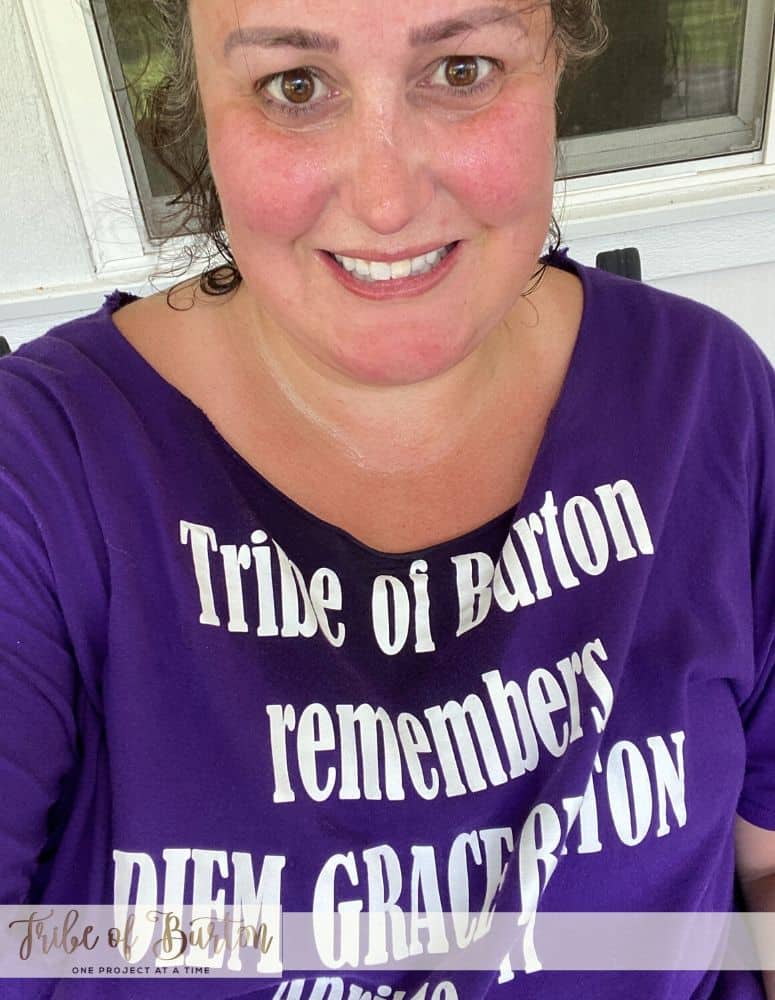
(273, 38)
(467, 21)
(428, 34)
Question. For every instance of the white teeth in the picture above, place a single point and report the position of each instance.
(373, 270)
(380, 271)
(401, 269)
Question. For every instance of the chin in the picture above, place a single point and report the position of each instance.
(371, 344)
(398, 357)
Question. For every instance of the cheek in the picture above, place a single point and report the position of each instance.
(501, 163)
(268, 184)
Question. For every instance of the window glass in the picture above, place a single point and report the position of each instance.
(680, 60)
(130, 34)
(680, 80)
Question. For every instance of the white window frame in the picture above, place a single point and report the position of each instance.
(594, 211)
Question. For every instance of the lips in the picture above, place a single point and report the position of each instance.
(370, 269)
(380, 279)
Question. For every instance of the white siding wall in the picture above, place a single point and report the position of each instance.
(747, 294)
(43, 241)
(47, 274)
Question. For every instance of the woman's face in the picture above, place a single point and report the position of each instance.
(364, 134)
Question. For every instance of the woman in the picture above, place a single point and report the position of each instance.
(392, 580)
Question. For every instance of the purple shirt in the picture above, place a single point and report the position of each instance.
(203, 685)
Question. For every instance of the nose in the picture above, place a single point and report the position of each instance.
(388, 180)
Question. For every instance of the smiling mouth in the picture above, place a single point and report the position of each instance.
(371, 271)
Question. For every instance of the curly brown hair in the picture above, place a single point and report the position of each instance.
(173, 127)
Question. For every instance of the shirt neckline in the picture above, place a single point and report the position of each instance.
(493, 529)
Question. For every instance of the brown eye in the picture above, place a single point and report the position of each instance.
(462, 71)
(298, 86)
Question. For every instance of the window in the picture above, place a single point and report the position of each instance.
(680, 80)
(130, 33)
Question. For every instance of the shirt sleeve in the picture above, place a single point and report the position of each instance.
(38, 738)
(757, 801)
(37, 681)
(54, 606)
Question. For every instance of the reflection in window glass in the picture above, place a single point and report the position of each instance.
(133, 41)
(680, 60)
(704, 55)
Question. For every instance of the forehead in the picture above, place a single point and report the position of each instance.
(419, 22)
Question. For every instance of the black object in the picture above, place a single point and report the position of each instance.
(4, 348)
(625, 262)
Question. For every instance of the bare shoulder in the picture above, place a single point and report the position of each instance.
(154, 320)
(171, 334)
(551, 317)
(755, 850)
(564, 297)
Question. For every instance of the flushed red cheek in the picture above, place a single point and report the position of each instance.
(268, 183)
(502, 160)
